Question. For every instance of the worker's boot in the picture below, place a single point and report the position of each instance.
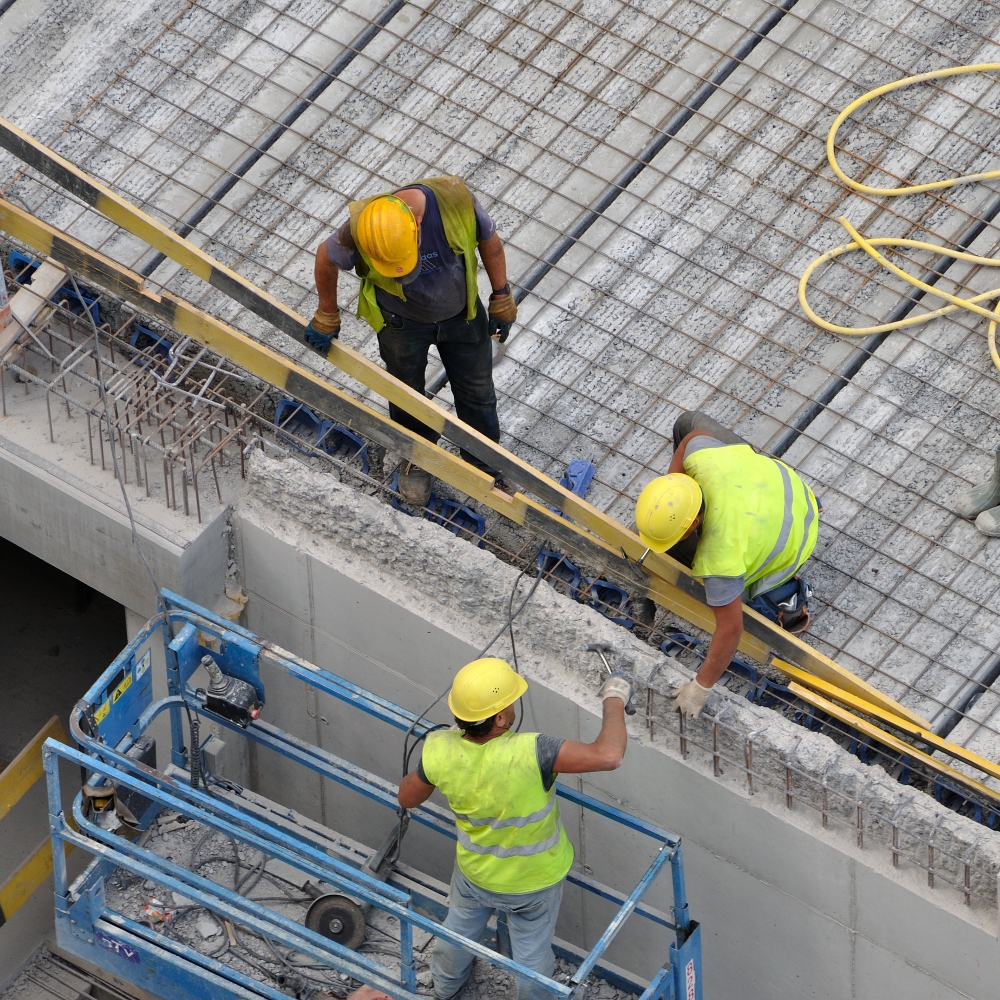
(988, 522)
(414, 484)
(982, 497)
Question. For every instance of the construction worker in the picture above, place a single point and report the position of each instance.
(414, 252)
(513, 853)
(744, 523)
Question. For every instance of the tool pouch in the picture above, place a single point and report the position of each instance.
(786, 605)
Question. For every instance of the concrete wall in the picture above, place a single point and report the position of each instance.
(78, 525)
(787, 910)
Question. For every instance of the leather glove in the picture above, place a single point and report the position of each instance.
(619, 686)
(503, 312)
(690, 698)
(323, 330)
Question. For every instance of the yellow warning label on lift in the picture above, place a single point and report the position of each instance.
(122, 688)
(100, 713)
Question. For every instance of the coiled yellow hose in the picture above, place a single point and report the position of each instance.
(869, 246)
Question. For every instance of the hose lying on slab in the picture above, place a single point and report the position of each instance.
(957, 303)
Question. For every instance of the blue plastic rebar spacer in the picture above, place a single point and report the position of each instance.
(295, 420)
(576, 479)
(555, 566)
(460, 520)
(145, 340)
(609, 599)
(77, 304)
(340, 441)
(456, 517)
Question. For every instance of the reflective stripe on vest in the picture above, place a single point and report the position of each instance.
(510, 835)
(760, 518)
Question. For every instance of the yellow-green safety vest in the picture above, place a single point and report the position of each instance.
(510, 836)
(760, 521)
(458, 216)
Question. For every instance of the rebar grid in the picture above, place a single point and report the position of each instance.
(593, 350)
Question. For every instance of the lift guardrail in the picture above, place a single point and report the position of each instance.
(117, 711)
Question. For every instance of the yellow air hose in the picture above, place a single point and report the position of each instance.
(869, 246)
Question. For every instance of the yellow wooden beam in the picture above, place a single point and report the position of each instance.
(920, 733)
(16, 891)
(590, 530)
(26, 768)
(901, 746)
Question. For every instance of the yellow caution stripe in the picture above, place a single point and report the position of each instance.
(664, 579)
(15, 779)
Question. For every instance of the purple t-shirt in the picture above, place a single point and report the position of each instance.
(436, 291)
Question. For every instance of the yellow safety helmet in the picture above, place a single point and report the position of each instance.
(484, 687)
(665, 510)
(387, 232)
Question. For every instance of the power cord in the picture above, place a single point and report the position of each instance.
(508, 625)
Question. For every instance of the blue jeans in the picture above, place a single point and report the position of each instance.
(466, 351)
(531, 920)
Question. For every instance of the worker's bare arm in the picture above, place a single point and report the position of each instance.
(728, 630)
(494, 260)
(326, 273)
(413, 791)
(605, 753)
(677, 461)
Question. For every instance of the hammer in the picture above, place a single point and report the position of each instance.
(601, 648)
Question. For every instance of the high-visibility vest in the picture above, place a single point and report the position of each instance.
(760, 520)
(510, 836)
(458, 216)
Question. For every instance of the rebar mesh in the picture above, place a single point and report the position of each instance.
(681, 294)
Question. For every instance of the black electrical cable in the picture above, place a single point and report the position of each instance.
(508, 624)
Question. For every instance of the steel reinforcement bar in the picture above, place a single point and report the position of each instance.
(591, 534)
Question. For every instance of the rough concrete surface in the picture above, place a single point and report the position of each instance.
(465, 590)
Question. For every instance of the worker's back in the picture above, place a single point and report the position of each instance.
(510, 836)
(760, 520)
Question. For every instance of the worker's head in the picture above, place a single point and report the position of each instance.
(388, 235)
(482, 690)
(668, 510)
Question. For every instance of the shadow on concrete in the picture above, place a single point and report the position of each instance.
(56, 637)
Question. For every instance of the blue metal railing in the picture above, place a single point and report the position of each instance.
(118, 709)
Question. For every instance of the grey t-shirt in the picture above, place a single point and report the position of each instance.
(546, 750)
(719, 590)
(435, 292)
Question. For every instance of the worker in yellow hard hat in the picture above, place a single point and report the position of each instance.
(513, 853)
(415, 252)
(744, 523)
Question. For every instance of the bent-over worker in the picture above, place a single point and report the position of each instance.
(414, 251)
(743, 522)
(513, 853)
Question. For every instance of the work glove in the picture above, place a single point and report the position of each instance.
(503, 312)
(690, 698)
(619, 686)
(323, 330)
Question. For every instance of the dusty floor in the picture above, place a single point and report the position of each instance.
(268, 882)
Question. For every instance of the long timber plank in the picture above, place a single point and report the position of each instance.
(590, 533)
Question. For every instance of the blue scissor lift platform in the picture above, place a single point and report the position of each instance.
(119, 818)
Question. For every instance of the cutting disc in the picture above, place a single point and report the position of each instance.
(338, 918)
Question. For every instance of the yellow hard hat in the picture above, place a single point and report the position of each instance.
(387, 232)
(484, 687)
(665, 510)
